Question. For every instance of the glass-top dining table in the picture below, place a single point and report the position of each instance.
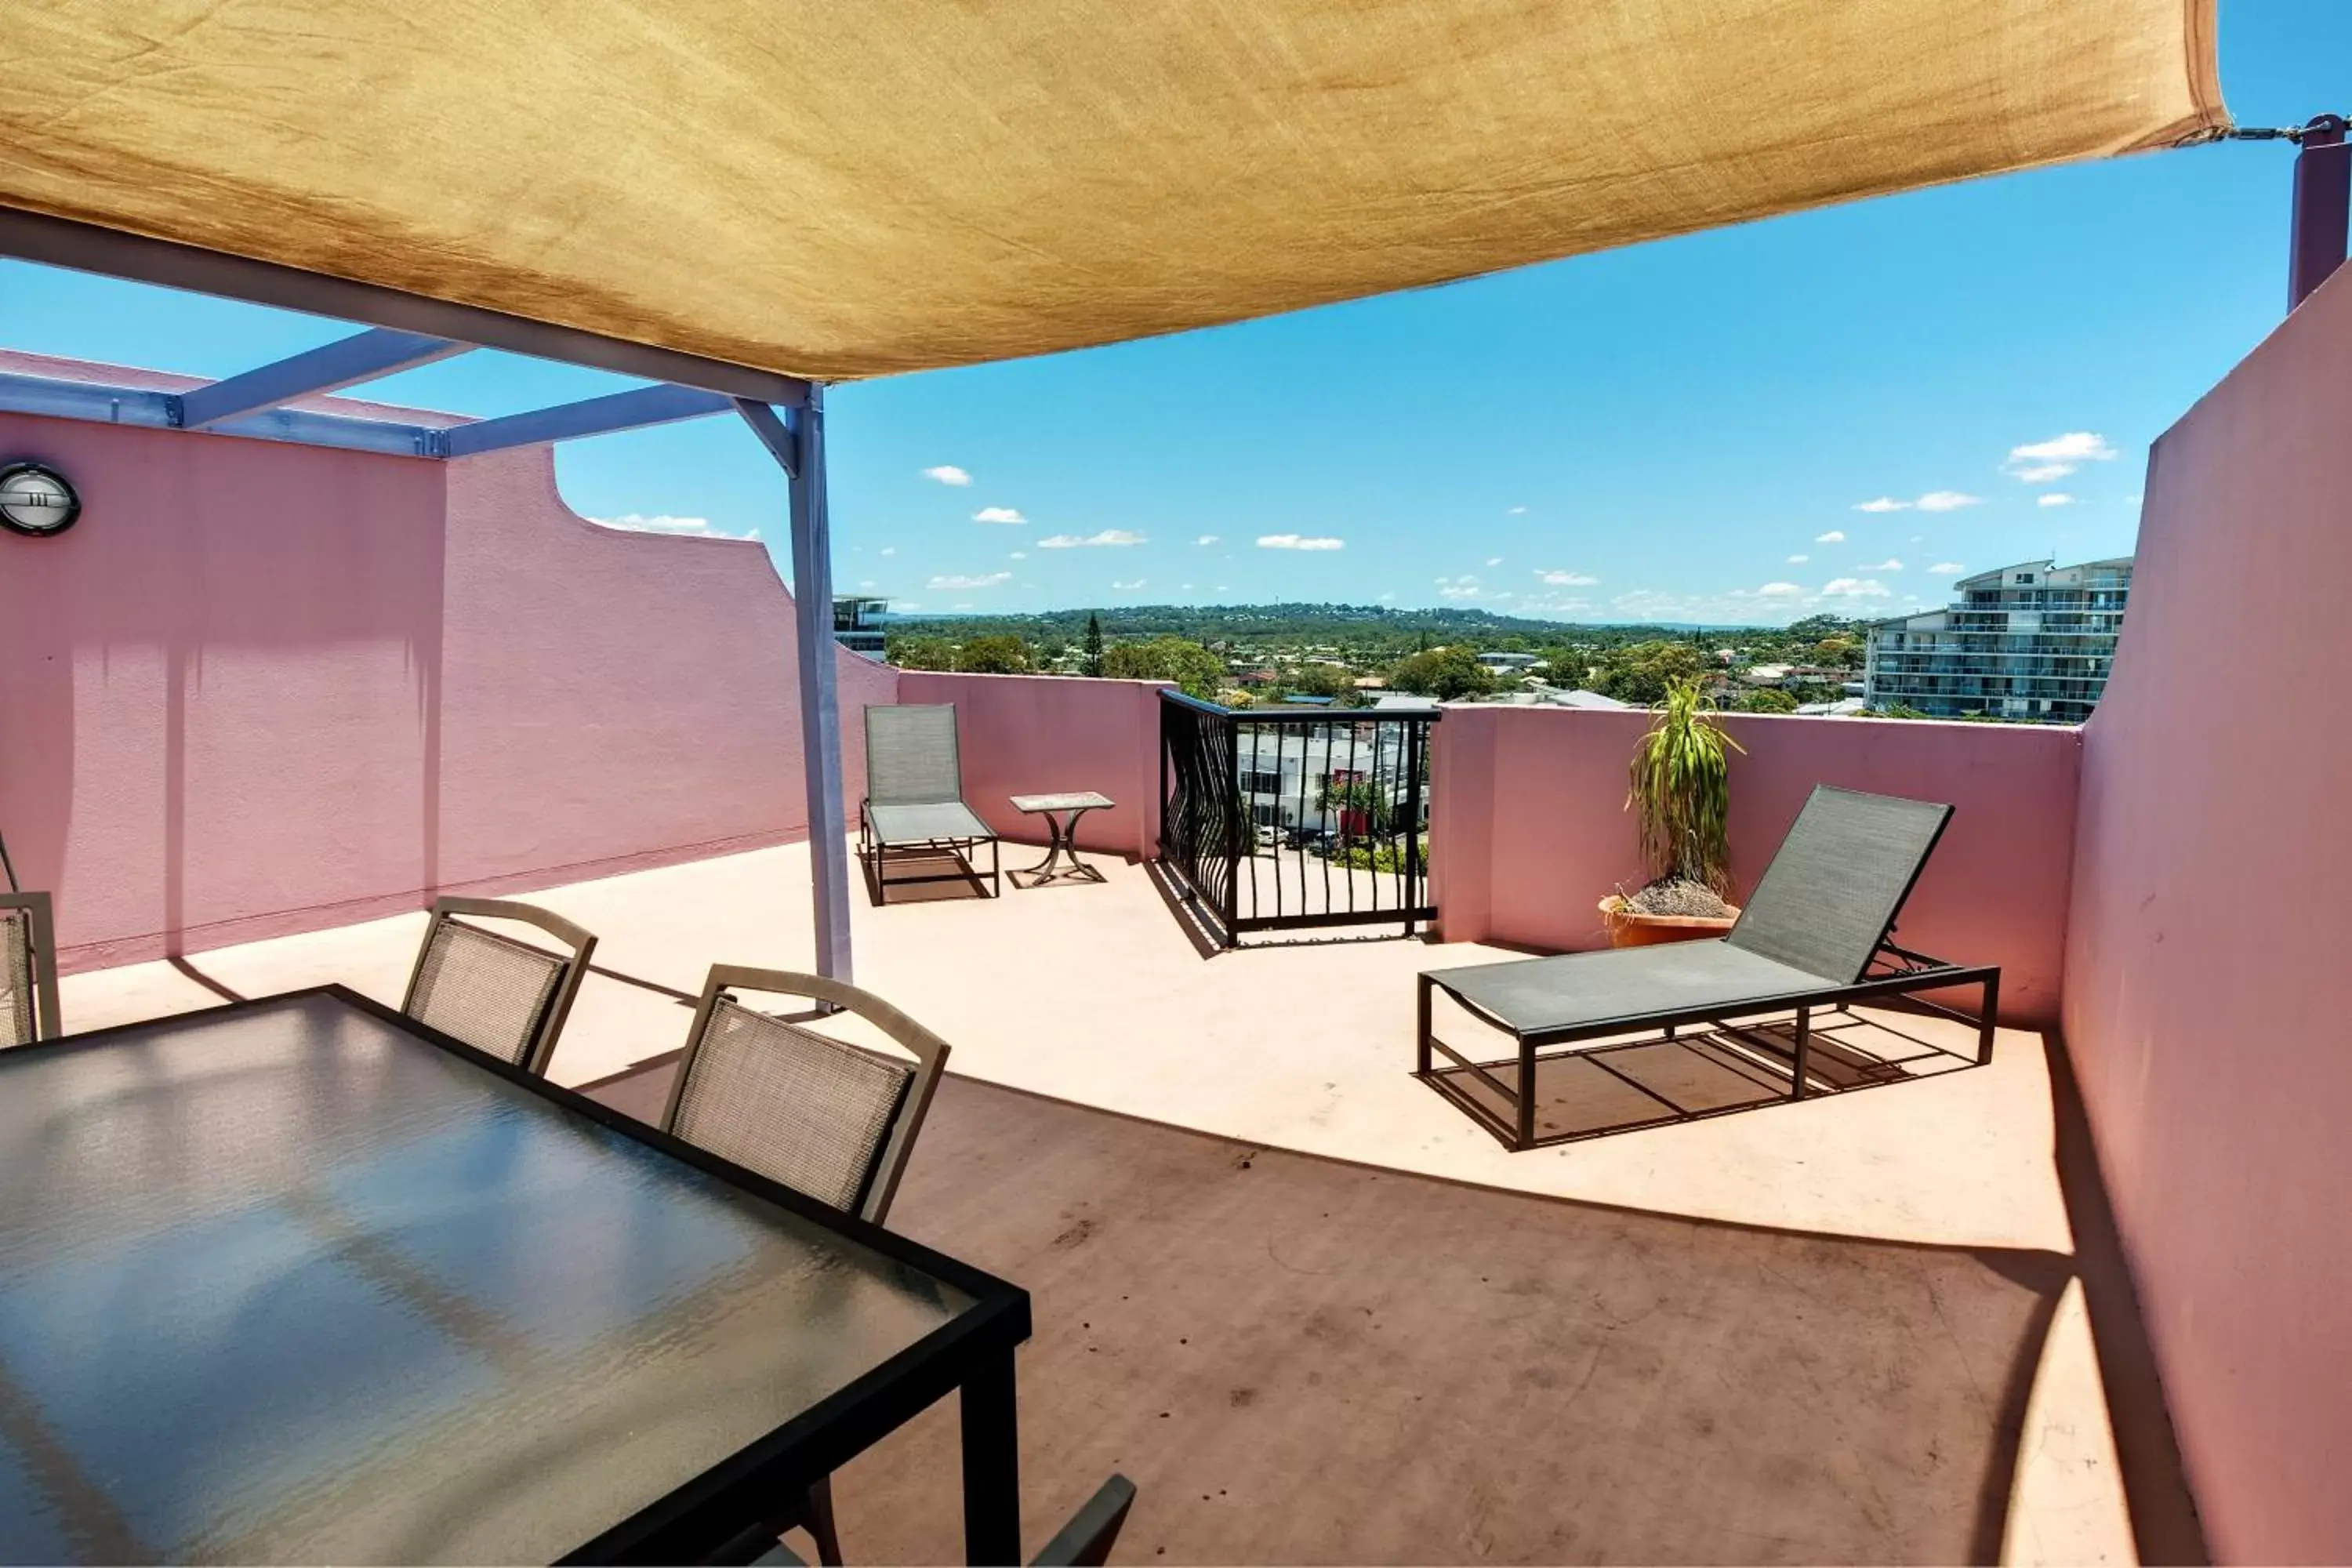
(297, 1279)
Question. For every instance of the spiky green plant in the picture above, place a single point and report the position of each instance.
(1682, 790)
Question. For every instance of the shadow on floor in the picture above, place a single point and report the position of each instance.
(1654, 1080)
(1300, 1360)
(190, 972)
(2164, 1525)
(949, 876)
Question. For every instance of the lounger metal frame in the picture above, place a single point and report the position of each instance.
(896, 757)
(874, 855)
(1737, 1028)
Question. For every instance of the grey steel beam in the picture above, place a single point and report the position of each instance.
(87, 247)
(156, 411)
(328, 368)
(774, 435)
(800, 449)
(631, 410)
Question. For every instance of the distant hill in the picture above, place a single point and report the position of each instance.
(1284, 623)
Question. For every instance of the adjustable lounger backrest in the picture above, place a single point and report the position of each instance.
(910, 755)
(1829, 896)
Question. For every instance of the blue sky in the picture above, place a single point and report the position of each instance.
(1693, 429)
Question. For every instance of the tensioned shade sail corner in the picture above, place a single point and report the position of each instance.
(852, 190)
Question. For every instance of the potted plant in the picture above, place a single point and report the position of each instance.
(1681, 794)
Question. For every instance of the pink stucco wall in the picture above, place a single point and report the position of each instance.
(263, 687)
(2205, 999)
(1047, 735)
(1528, 827)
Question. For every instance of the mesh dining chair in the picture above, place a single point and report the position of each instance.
(820, 1115)
(28, 971)
(501, 995)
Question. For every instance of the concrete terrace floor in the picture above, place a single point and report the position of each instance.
(1096, 996)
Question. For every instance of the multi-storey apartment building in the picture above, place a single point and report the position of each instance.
(858, 623)
(2028, 642)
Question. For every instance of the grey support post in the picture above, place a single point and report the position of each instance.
(800, 449)
(2323, 206)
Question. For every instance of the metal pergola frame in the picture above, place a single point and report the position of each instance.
(404, 330)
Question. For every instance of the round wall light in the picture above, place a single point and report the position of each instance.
(36, 500)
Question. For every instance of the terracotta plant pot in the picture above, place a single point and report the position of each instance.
(1627, 928)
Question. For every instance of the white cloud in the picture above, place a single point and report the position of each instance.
(1109, 537)
(1462, 587)
(905, 605)
(2039, 462)
(1494, 561)
(1389, 596)
(662, 523)
(1184, 587)
(1567, 579)
(1934, 500)
(2056, 498)
(998, 514)
(948, 474)
(989, 580)
(1778, 590)
(869, 583)
(1832, 537)
(1298, 542)
(1127, 587)
(1515, 511)
(1798, 560)
(1889, 564)
(1946, 569)
(1206, 539)
(889, 550)
(1018, 555)
(965, 606)
(1853, 588)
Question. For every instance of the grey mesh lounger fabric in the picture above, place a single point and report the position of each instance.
(1824, 904)
(914, 795)
(1638, 1036)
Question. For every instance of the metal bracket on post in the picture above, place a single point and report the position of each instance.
(799, 449)
(2323, 206)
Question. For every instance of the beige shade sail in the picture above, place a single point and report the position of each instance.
(844, 188)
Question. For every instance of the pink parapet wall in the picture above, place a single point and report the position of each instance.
(2206, 1009)
(263, 687)
(1528, 826)
(1023, 734)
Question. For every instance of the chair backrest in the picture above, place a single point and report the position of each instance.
(910, 755)
(1087, 1539)
(822, 1116)
(503, 996)
(1831, 895)
(28, 971)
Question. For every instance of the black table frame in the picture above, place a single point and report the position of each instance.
(703, 1517)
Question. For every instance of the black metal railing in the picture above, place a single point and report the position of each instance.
(1294, 819)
